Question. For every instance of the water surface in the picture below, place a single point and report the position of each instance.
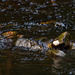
(25, 17)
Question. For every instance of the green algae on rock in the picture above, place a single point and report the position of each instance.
(62, 40)
(10, 34)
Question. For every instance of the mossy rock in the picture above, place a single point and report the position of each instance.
(64, 38)
(56, 53)
(10, 34)
(61, 42)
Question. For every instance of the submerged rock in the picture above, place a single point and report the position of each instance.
(56, 53)
(59, 24)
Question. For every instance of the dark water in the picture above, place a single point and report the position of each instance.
(25, 16)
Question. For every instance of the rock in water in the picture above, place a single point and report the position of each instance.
(22, 42)
(10, 34)
(59, 24)
(64, 38)
(56, 53)
(62, 41)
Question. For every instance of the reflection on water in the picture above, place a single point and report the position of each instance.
(25, 16)
(31, 63)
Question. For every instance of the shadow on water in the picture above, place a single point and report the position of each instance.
(34, 19)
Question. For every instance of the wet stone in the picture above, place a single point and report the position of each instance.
(26, 43)
(64, 37)
(61, 42)
(9, 34)
(56, 53)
